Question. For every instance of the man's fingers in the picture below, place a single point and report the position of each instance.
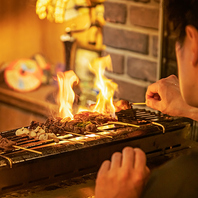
(116, 160)
(157, 96)
(128, 157)
(140, 159)
(104, 168)
(152, 90)
(153, 103)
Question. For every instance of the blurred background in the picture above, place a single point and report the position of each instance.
(68, 34)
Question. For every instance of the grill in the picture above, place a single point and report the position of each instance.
(74, 156)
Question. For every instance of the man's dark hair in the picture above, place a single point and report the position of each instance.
(182, 13)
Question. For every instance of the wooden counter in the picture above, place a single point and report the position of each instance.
(19, 109)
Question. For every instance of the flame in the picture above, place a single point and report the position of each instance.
(104, 103)
(106, 86)
(66, 94)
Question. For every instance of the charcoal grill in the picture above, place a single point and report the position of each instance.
(76, 156)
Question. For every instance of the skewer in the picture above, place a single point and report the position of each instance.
(125, 124)
(74, 133)
(103, 127)
(73, 141)
(99, 134)
(163, 128)
(81, 135)
(106, 131)
(7, 158)
(139, 103)
(31, 150)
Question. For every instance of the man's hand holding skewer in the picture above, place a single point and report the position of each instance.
(165, 96)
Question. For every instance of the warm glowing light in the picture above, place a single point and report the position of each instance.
(82, 109)
(53, 10)
(107, 88)
(66, 94)
(60, 10)
(104, 103)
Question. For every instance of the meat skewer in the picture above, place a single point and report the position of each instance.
(83, 122)
(37, 133)
(7, 145)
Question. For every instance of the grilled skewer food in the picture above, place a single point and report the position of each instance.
(37, 133)
(85, 121)
(6, 144)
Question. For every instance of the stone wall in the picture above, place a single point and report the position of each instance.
(131, 36)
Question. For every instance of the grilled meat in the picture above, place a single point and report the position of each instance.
(127, 115)
(122, 105)
(22, 132)
(83, 121)
(36, 132)
(93, 117)
(6, 144)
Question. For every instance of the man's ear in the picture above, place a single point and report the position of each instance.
(192, 35)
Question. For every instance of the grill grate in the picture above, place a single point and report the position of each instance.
(76, 156)
(141, 116)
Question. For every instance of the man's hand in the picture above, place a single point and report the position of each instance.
(165, 96)
(124, 176)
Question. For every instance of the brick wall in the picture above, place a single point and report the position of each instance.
(131, 38)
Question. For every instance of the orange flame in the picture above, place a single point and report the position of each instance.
(107, 88)
(66, 94)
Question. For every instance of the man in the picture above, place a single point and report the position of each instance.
(126, 174)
